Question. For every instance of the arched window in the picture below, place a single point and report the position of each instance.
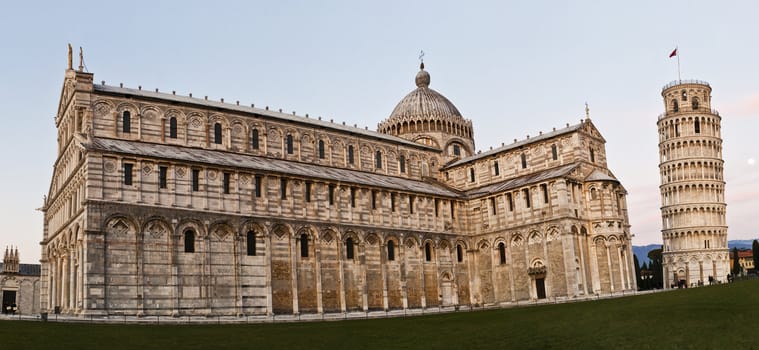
(502, 253)
(694, 103)
(251, 240)
(254, 139)
(321, 149)
(554, 152)
(496, 169)
(524, 161)
(593, 193)
(126, 122)
(459, 253)
(675, 106)
(402, 163)
(697, 126)
(684, 96)
(289, 144)
(173, 127)
(349, 248)
(304, 245)
(471, 174)
(526, 193)
(592, 155)
(189, 241)
(390, 250)
(283, 188)
(350, 154)
(217, 133)
(456, 150)
(378, 160)
(427, 252)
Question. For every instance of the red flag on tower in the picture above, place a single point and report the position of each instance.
(674, 53)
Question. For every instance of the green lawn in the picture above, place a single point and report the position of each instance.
(718, 317)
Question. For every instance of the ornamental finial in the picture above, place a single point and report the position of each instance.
(587, 111)
(81, 60)
(70, 57)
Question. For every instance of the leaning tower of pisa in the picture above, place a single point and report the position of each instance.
(694, 230)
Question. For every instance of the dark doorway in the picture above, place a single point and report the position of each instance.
(9, 301)
(540, 286)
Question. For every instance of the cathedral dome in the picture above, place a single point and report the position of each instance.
(425, 111)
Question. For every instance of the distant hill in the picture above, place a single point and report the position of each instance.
(642, 251)
(740, 243)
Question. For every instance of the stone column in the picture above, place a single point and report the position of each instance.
(139, 126)
(701, 270)
(436, 261)
(531, 288)
(140, 254)
(687, 272)
(206, 193)
(295, 258)
(404, 279)
(173, 239)
(622, 270)
(423, 286)
(228, 130)
(63, 294)
(53, 278)
(318, 273)
(238, 202)
(267, 251)
(341, 268)
(608, 261)
(594, 267)
(72, 277)
(474, 278)
(163, 129)
(583, 272)
(80, 271)
(665, 277)
(238, 257)
(383, 272)
(363, 284)
(510, 261)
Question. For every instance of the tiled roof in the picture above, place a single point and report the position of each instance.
(257, 163)
(262, 112)
(745, 254)
(517, 144)
(26, 269)
(598, 175)
(522, 180)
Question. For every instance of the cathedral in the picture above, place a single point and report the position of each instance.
(163, 204)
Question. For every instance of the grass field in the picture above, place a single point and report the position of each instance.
(717, 317)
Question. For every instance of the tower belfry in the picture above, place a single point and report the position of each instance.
(694, 230)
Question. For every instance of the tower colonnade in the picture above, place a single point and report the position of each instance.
(694, 230)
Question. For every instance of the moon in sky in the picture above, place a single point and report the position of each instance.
(751, 161)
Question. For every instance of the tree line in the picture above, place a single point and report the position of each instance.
(651, 275)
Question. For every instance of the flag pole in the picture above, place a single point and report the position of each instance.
(678, 65)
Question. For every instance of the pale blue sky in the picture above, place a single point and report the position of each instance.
(514, 68)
